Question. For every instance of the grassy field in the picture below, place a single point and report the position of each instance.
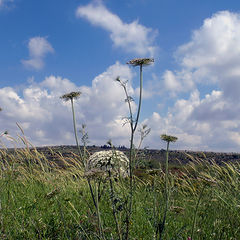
(40, 200)
(118, 198)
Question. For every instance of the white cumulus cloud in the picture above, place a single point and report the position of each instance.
(209, 61)
(38, 48)
(132, 37)
(47, 120)
(5, 3)
(209, 121)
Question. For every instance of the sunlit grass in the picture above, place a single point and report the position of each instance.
(39, 200)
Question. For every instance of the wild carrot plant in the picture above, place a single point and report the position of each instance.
(71, 96)
(133, 126)
(161, 224)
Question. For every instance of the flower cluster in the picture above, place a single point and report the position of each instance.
(168, 138)
(70, 96)
(114, 161)
(140, 61)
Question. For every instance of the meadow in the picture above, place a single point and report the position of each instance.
(109, 196)
(40, 200)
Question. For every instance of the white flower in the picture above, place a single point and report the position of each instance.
(114, 161)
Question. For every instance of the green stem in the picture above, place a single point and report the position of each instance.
(92, 194)
(129, 106)
(98, 214)
(140, 98)
(75, 130)
(166, 173)
(161, 225)
(133, 128)
(128, 218)
(196, 209)
(118, 230)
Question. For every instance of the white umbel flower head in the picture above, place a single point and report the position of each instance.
(113, 160)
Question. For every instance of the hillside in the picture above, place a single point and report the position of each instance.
(147, 157)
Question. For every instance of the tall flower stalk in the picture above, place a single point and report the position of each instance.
(71, 96)
(161, 224)
(133, 125)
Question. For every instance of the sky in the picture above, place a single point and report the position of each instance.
(192, 91)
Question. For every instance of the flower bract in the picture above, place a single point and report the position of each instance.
(71, 95)
(140, 61)
(168, 138)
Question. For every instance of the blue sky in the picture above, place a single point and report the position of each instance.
(48, 48)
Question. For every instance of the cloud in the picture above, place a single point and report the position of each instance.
(213, 54)
(47, 120)
(210, 61)
(213, 57)
(132, 37)
(209, 121)
(5, 3)
(38, 47)
(178, 81)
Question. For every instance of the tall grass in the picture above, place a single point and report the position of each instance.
(39, 200)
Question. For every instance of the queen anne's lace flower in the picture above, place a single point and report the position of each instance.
(140, 61)
(71, 96)
(114, 161)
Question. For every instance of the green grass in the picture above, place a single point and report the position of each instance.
(39, 201)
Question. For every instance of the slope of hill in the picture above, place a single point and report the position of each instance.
(149, 158)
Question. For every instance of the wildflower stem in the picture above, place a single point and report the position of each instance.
(98, 213)
(92, 194)
(140, 98)
(118, 230)
(166, 175)
(161, 224)
(67, 97)
(133, 125)
(75, 130)
(133, 129)
(129, 106)
(166, 195)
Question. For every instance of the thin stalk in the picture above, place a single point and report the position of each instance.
(166, 174)
(63, 219)
(196, 209)
(92, 194)
(161, 225)
(75, 130)
(133, 129)
(131, 187)
(140, 98)
(134, 62)
(129, 106)
(113, 206)
(154, 205)
(98, 214)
